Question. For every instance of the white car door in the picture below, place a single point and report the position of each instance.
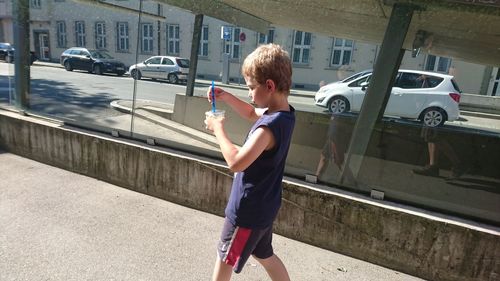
(152, 68)
(167, 66)
(358, 92)
(408, 96)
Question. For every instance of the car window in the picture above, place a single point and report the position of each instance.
(84, 53)
(409, 80)
(358, 82)
(455, 85)
(155, 60)
(183, 63)
(75, 52)
(167, 61)
(100, 55)
(355, 76)
(431, 82)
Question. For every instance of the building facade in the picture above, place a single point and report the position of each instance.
(161, 29)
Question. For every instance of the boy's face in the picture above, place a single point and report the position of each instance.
(259, 93)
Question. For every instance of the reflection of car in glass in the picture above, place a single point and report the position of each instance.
(7, 53)
(95, 61)
(173, 69)
(427, 96)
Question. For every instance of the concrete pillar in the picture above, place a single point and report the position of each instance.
(22, 54)
(195, 48)
(379, 90)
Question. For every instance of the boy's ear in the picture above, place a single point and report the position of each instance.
(270, 85)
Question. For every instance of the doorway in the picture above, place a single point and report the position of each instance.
(42, 46)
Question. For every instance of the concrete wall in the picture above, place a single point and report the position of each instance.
(405, 240)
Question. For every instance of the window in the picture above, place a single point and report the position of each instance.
(154, 60)
(147, 38)
(266, 39)
(232, 46)
(173, 39)
(358, 82)
(80, 33)
(122, 44)
(61, 34)
(442, 65)
(204, 42)
(36, 4)
(100, 35)
(341, 52)
(301, 47)
(167, 61)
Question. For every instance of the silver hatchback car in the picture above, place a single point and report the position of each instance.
(173, 69)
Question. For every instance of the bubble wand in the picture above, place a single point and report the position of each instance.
(213, 96)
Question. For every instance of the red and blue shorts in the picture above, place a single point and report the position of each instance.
(237, 244)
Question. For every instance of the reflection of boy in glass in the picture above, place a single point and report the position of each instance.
(335, 146)
(435, 145)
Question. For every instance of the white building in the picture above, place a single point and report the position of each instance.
(58, 24)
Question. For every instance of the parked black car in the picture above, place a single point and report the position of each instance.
(93, 61)
(7, 53)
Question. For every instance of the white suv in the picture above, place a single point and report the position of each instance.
(430, 97)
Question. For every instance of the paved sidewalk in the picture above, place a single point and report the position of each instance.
(58, 225)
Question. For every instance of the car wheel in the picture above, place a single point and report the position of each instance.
(172, 78)
(67, 66)
(120, 73)
(97, 69)
(433, 117)
(338, 104)
(136, 74)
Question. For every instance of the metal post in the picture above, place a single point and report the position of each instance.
(195, 48)
(22, 54)
(137, 46)
(378, 93)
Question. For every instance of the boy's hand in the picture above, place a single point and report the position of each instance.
(212, 123)
(220, 94)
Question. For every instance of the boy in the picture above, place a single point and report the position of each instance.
(256, 191)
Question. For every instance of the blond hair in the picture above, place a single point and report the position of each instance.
(269, 61)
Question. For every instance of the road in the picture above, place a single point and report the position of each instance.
(85, 97)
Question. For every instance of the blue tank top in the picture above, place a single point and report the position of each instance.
(256, 192)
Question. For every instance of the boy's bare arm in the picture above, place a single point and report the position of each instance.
(244, 109)
(239, 159)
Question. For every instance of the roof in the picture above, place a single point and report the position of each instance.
(462, 29)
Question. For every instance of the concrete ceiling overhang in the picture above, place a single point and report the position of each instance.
(468, 30)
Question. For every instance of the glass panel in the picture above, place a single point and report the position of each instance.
(443, 64)
(298, 37)
(296, 55)
(451, 167)
(305, 56)
(336, 57)
(431, 61)
(346, 59)
(307, 38)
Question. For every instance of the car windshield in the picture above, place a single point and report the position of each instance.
(355, 76)
(183, 63)
(100, 55)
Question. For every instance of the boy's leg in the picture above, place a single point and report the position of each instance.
(222, 271)
(275, 268)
